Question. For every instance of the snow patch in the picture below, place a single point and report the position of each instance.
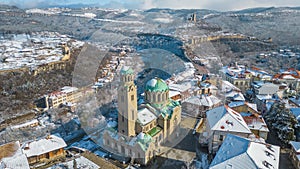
(152, 83)
(163, 20)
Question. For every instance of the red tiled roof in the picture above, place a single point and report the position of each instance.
(250, 119)
(255, 68)
(281, 76)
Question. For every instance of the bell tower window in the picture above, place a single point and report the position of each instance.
(132, 114)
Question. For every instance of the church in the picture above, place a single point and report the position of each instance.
(142, 129)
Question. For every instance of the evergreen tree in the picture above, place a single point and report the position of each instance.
(282, 121)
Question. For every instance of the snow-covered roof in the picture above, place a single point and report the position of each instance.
(209, 101)
(288, 77)
(180, 87)
(296, 147)
(252, 105)
(173, 93)
(237, 96)
(145, 116)
(241, 103)
(204, 100)
(194, 100)
(208, 85)
(259, 84)
(224, 118)
(85, 145)
(254, 138)
(44, 145)
(23, 50)
(156, 85)
(227, 86)
(236, 104)
(264, 97)
(239, 71)
(68, 89)
(295, 101)
(188, 73)
(11, 156)
(63, 91)
(81, 162)
(238, 152)
(256, 123)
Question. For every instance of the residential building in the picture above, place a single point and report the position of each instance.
(197, 105)
(291, 77)
(142, 129)
(264, 88)
(65, 95)
(263, 93)
(262, 102)
(183, 89)
(237, 75)
(244, 107)
(234, 96)
(220, 122)
(44, 150)
(295, 153)
(175, 95)
(206, 88)
(238, 152)
(12, 157)
(257, 125)
(231, 92)
(242, 77)
(252, 117)
(259, 74)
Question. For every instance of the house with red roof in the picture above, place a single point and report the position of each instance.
(291, 77)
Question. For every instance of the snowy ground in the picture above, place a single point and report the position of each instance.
(24, 50)
(81, 163)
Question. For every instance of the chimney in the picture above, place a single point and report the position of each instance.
(26, 146)
(48, 137)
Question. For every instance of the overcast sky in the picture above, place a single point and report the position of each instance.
(222, 5)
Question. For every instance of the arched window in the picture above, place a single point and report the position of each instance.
(163, 97)
(153, 97)
(132, 114)
(147, 96)
(159, 97)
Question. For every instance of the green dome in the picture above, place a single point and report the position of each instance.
(126, 70)
(156, 85)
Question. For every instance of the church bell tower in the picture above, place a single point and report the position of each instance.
(127, 103)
